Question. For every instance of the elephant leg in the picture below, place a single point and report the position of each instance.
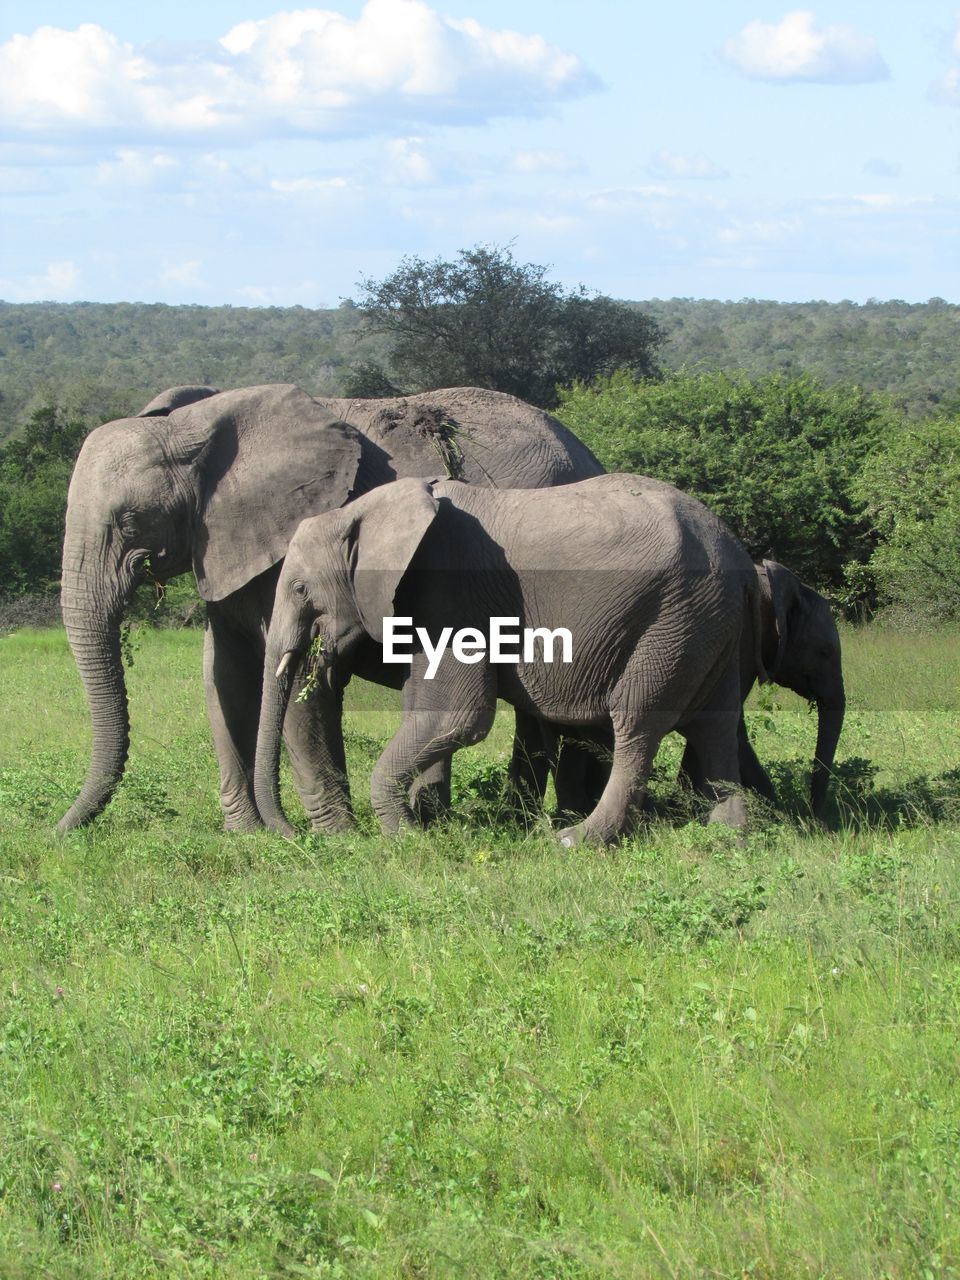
(714, 766)
(689, 770)
(616, 813)
(582, 773)
(430, 789)
(430, 793)
(530, 763)
(752, 772)
(313, 733)
(232, 677)
(571, 782)
(424, 739)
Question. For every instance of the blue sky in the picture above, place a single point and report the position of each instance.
(249, 154)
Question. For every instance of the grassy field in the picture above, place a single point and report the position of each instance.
(468, 1052)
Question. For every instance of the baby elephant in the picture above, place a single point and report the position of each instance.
(800, 650)
(616, 603)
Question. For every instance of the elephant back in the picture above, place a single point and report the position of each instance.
(470, 434)
(176, 398)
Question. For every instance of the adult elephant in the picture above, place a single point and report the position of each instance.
(218, 481)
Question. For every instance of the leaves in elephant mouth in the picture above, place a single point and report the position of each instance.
(313, 666)
(130, 641)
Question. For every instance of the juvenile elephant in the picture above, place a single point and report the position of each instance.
(799, 649)
(654, 591)
(218, 482)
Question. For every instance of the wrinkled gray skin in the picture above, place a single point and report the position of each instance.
(654, 589)
(219, 481)
(799, 649)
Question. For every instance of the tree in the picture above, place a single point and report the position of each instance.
(35, 471)
(487, 320)
(911, 491)
(367, 380)
(775, 457)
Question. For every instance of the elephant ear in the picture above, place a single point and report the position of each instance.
(266, 458)
(785, 597)
(384, 531)
(175, 398)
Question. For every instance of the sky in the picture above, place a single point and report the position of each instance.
(234, 151)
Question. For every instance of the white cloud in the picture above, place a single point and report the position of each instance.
(408, 164)
(545, 161)
(61, 277)
(309, 72)
(133, 168)
(181, 273)
(795, 49)
(306, 186)
(947, 88)
(56, 284)
(759, 230)
(666, 164)
(886, 200)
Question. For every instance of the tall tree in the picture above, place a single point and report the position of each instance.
(486, 320)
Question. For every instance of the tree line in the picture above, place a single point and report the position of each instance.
(101, 359)
(850, 487)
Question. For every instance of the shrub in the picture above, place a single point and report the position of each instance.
(775, 457)
(911, 491)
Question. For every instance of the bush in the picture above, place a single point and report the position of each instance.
(775, 457)
(34, 476)
(911, 491)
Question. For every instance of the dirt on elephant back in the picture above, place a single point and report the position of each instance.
(428, 422)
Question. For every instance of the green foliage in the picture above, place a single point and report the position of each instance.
(906, 349)
(369, 381)
(104, 360)
(487, 320)
(471, 1052)
(775, 457)
(35, 472)
(911, 491)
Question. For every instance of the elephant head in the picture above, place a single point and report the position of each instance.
(802, 652)
(340, 579)
(218, 484)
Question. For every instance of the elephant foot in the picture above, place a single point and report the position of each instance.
(333, 824)
(581, 834)
(243, 824)
(731, 811)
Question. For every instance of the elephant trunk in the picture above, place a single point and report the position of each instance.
(273, 709)
(94, 635)
(830, 722)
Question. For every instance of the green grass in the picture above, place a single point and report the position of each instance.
(468, 1052)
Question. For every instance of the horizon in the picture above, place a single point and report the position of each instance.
(933, 301)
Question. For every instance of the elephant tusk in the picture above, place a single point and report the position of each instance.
(285, 664)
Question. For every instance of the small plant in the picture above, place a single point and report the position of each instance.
(313, 666)
(130, 641)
